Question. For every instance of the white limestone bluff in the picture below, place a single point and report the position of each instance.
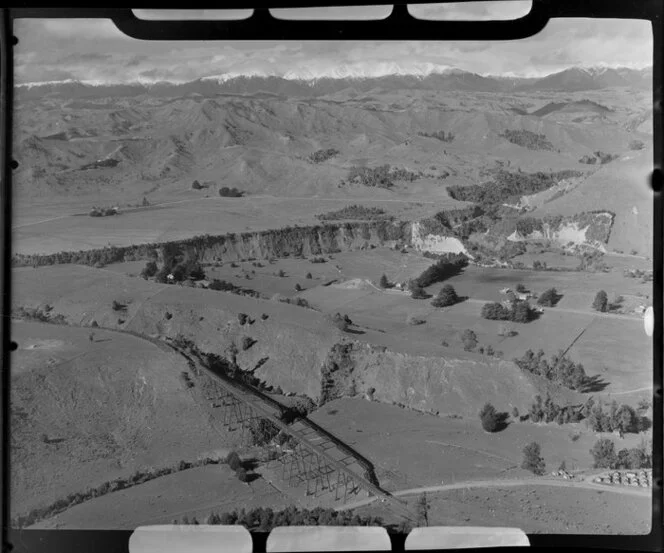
(435, 243)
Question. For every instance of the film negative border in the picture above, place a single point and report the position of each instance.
(400, 25)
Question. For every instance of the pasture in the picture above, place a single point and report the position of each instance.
(535, 509)
(56, 229)
(85, 412)
(411, 449)
(191, 493)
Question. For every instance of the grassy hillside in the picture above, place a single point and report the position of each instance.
(622, 187)
(86, 412)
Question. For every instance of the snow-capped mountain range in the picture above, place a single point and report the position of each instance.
(307, 81)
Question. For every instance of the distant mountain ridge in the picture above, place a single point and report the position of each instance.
(423, 76)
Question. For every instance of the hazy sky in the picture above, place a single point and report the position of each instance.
(94, 50)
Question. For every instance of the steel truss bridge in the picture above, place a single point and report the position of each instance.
(317, 459)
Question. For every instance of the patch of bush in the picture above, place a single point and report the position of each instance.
(247, 342)
(636, 145)
(320, 156)
(548, 411)
(528, 139)
(508, 187)
(342, 322)
(308, 276)
(226, 192)
(355, 212)
(560, 369)
(520, 312)
(414, 321)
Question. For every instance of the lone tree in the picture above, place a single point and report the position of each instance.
(384, 283)
(520, 288)
(233, 460)
(469, 339)
(549, 298)
(604, 454)
(489, 418)
(532, 460)
(446, 296)
(601, 301)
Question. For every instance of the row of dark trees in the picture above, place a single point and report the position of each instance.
(440, 135)
(121, 483)
(447, 266)
(358, 212)
(262, 519)
(181, 271)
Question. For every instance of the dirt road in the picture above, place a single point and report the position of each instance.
(586, 483)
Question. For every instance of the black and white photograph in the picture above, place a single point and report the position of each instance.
(336, 283)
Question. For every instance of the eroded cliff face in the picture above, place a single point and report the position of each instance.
(305, 241)
(443, 385)
(587, 229)
(289, 241)
(431, 242)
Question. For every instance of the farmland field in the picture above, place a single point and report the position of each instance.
(538, 509)
(191, 493)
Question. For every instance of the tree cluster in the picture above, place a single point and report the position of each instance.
(262, 519)
(559, 369)
(619, 418)
(382, 176)
(226, 192)
(605, 456)
(355, 212)
(548, 411)
(447, 266)
(519, 312)
(102, 212)
(549, 298)
(440, 135)
(598, 156)
(528, 139)
(507, 187)
(319, 156)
